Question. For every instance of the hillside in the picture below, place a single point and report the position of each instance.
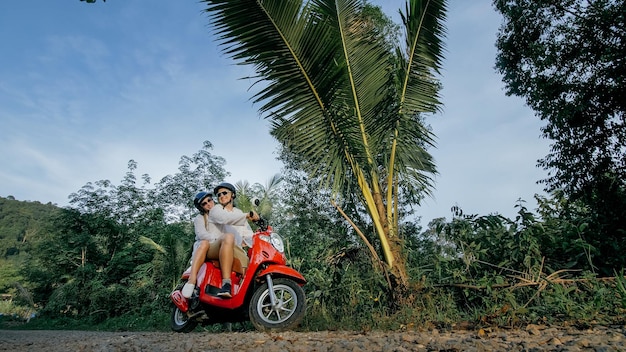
(22, 223)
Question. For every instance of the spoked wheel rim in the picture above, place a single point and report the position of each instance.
(180, 321)
(179, 317)
(286, 305)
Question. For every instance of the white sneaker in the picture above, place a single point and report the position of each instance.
(187, 290)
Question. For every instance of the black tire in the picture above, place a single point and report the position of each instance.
(180, 322)
(289, 311)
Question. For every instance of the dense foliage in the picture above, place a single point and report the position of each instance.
(20, 224)
(566, 58)
(112, 265)
(118, 250)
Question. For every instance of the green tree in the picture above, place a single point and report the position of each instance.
(9, 275)
(566, 58)
(563, 242)
(68, 257)
(345, 98)
(267, 195)
(121, 243)
(21, 222)
(320, 244)
(312, 229)
(199, 172)
(157, 218)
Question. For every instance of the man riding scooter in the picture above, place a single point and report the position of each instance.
(225, 218)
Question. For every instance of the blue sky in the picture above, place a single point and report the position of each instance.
(84, 88)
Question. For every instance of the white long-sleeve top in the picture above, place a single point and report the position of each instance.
(230, 221)
(203, 230)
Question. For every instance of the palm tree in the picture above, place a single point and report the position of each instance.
(343, 98)
(266, 195)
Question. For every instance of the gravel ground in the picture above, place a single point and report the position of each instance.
(532, 338)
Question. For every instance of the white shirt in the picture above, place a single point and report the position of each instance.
(204, 232)
(230, 221)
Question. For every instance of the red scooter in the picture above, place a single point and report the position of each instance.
(267, 292)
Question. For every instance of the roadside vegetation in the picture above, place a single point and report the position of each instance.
(109, 261)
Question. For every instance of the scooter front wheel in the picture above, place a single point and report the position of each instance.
(287, 311)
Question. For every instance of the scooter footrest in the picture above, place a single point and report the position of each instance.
(211, 290)
(198, 316)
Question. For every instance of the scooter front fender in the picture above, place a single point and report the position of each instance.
(282, 270)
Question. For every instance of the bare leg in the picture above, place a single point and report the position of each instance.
(227, 251)
(198, 259)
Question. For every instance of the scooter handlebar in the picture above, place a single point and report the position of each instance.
(261, 223)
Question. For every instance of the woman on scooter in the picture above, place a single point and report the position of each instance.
(232, 222)
(210, 244)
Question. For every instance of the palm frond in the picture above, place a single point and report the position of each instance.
(336, 93)
(150, 243)
(424, 27)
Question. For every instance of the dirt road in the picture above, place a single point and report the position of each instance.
(533, 338)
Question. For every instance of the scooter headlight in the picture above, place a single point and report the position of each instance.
(277, 242)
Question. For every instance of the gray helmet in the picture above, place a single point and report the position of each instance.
(197, 200)
(228, 186)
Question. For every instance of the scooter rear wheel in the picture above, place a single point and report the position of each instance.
(180, 322)
(285, 314)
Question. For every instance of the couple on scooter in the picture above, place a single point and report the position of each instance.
(220, 231)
